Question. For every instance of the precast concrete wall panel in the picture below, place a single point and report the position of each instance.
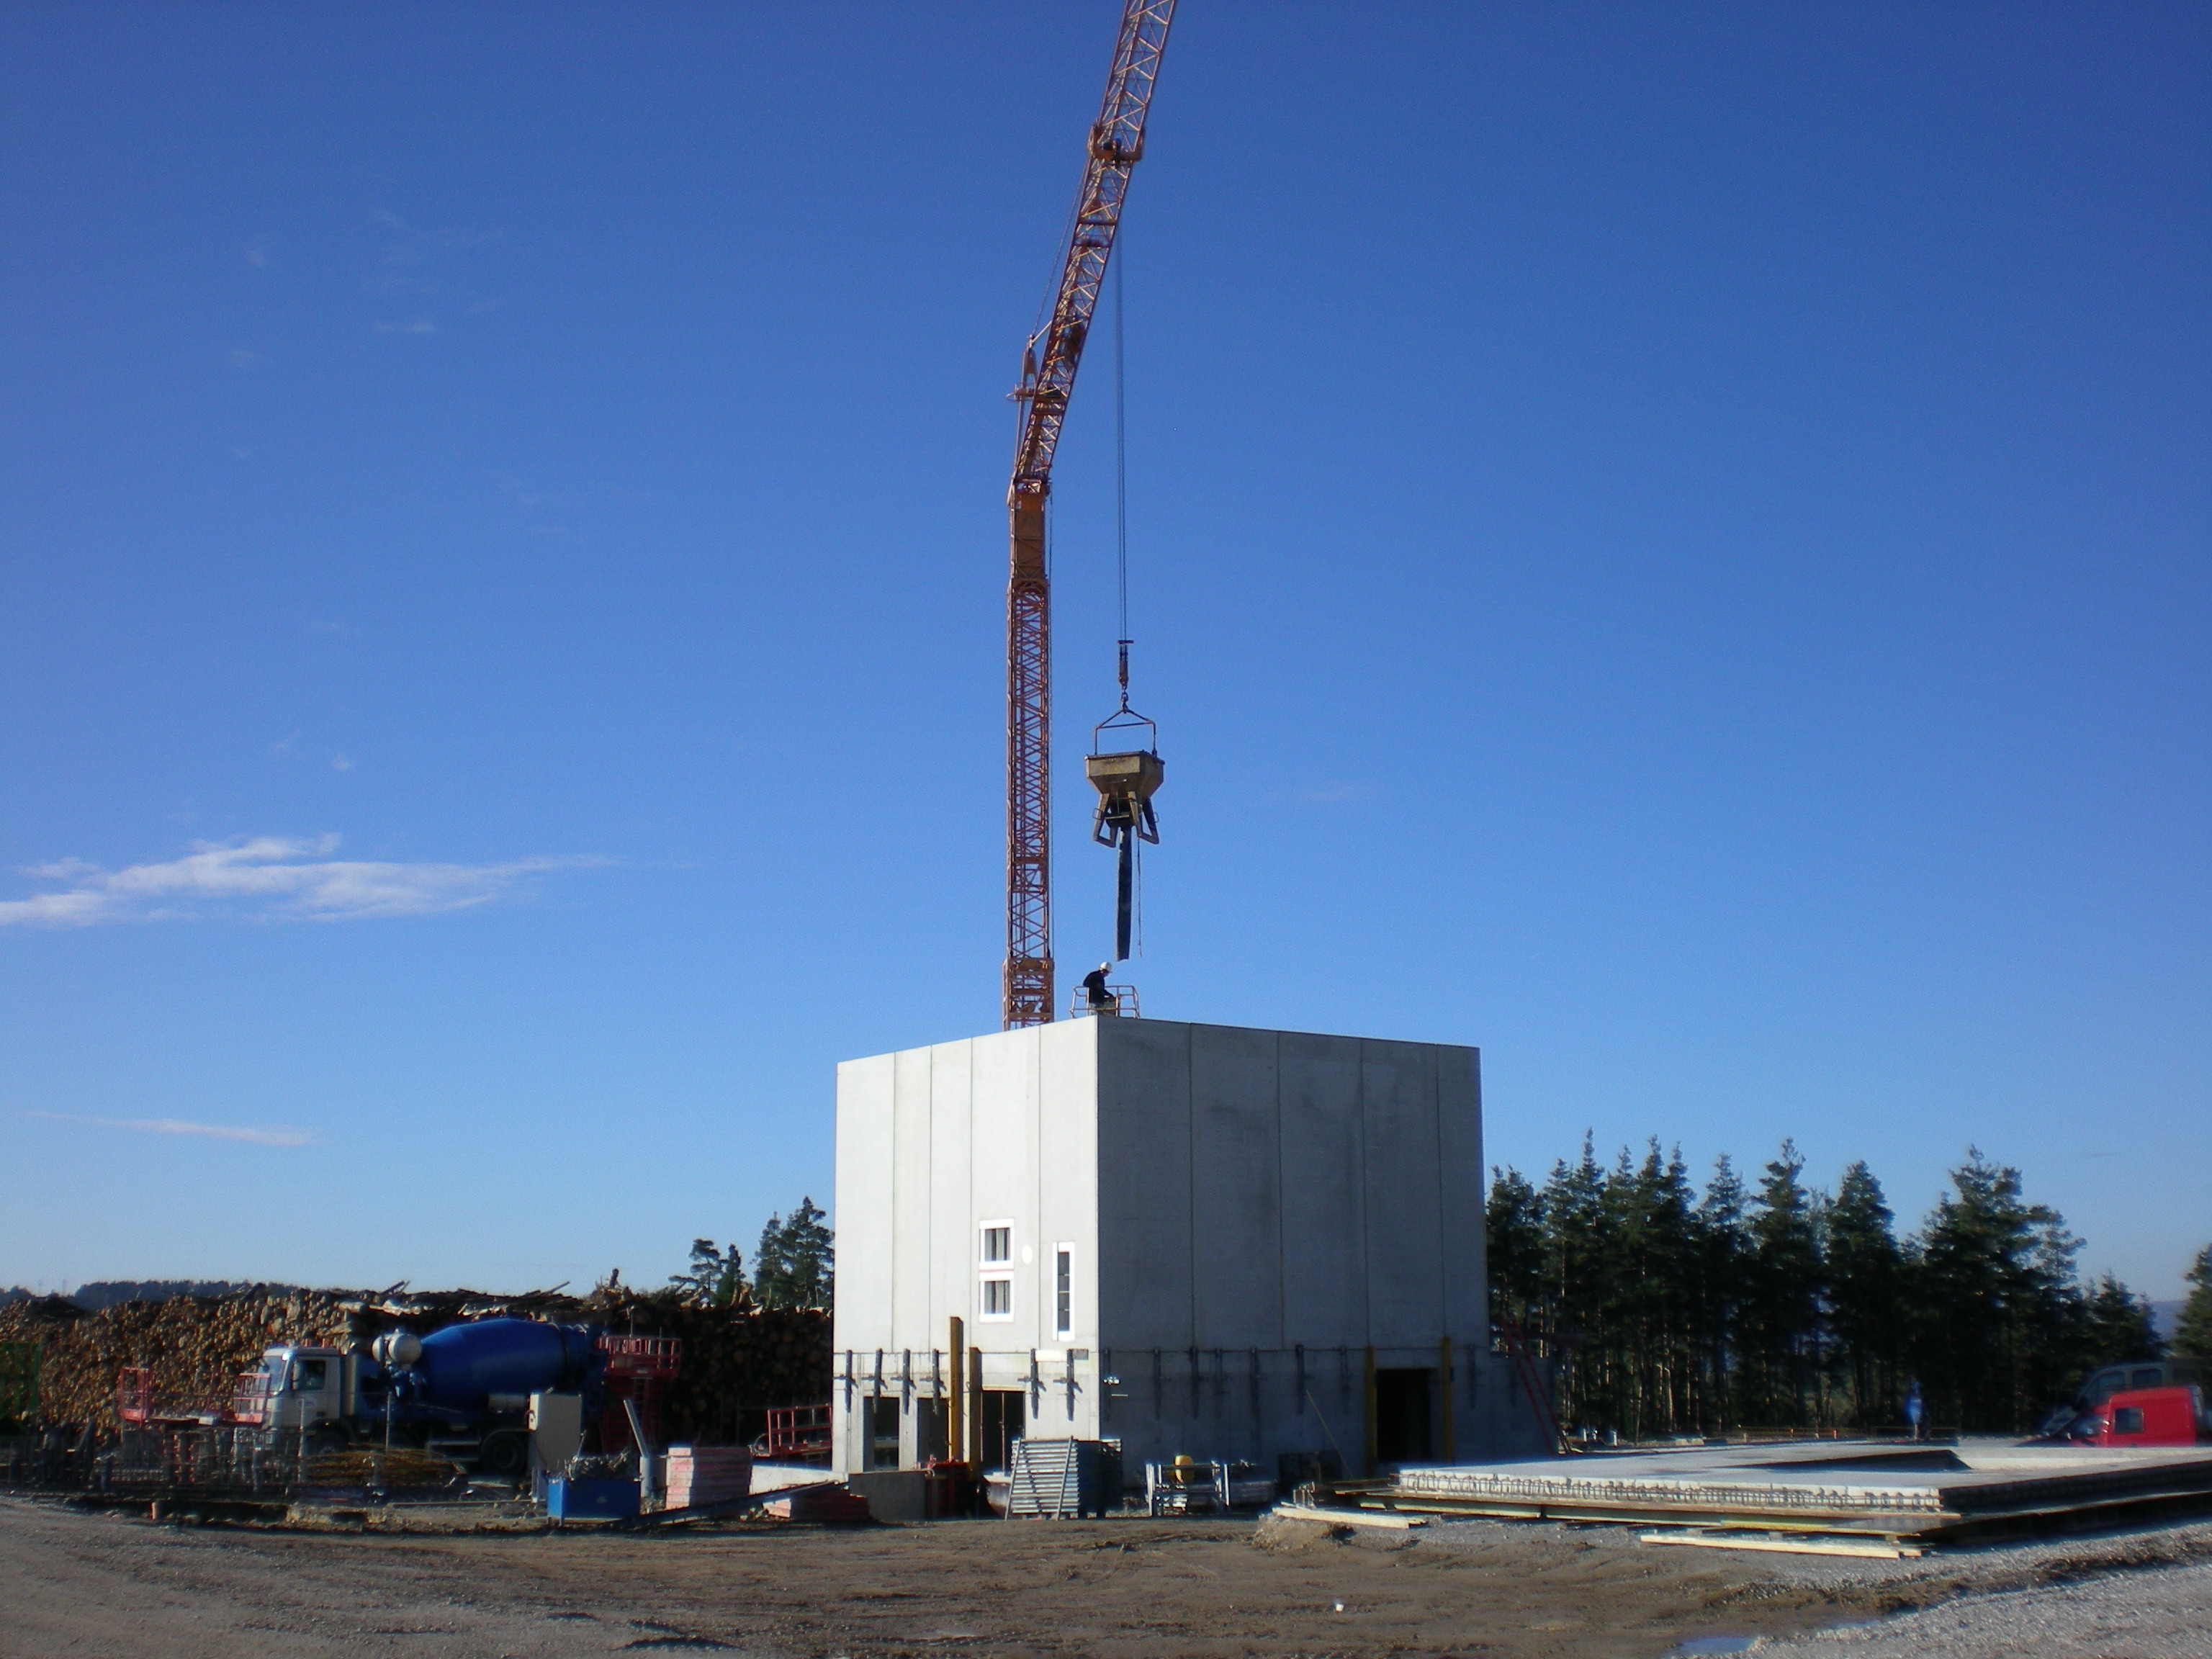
(1005, 1161)
(1144, 1186)
(909, 1199)
(951, 1187)
(1404, 1221)
(862, 1211)
(1067, 1178)
(1236, 1189)
(1466, 1254)
(1324, 1205)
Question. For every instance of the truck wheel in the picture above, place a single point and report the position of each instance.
(327, 1440)
(506, 1456)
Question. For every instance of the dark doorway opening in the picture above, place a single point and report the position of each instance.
(883, 1421)
(929, 1430)
(1402, 1415)
(1004, 1420)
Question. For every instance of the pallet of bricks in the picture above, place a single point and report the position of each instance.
(700, 1475)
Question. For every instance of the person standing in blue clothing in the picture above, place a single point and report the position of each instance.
(1916, 1409)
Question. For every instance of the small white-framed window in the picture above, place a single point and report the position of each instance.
(998, 1296)
(1063, 1290)
(995, 1243)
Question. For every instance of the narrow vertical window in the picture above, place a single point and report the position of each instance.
(995, 1258)
(1063, 1291)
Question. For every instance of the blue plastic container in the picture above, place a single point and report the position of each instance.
(590, 1500)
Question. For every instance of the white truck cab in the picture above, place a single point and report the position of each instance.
(305, 1388)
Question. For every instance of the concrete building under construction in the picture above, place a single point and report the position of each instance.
(1240, 1244)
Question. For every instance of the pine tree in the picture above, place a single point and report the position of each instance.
(2193, 1335)
(2117, 1326)
(1664, 1306)
(1575, 1250)
(717, 1278)
(1514, 1234)
(2002, 1308)
(1780, 1316)
(794, 1266)
(1721, 1249)
(1869, 1297)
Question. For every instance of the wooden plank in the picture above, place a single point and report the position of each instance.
(1348, 1517)
(1887, 1551)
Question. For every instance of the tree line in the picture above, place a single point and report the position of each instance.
(1768, 1304)
(794, 1266)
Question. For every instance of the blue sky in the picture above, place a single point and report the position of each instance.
(1668, 542)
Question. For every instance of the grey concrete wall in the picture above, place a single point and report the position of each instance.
(1251, 1212)
(1268, 1189)
(1272, 1205)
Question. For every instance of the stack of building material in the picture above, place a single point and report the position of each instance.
(1888, 1490)
(824, 1502)
(707, 1474)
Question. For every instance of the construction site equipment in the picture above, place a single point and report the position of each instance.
(638, 1369)
(1125, 781)
(465, 1391)
(796, 1434)
(1063, 1480)
(1124, 1002)
(1188, 1487)
(1048, 366)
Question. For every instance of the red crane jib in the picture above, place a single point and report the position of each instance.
(1117, 141)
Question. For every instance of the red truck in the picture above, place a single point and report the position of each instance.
(2146, 1417)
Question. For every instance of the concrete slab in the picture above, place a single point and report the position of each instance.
(1870, 1483)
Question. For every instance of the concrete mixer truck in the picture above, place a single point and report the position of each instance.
(463, 1390)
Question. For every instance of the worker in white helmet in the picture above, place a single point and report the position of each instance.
(1094, 988)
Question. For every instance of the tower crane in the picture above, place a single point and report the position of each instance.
(1049, 366)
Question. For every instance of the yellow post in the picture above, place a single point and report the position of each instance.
(1370, 1413)
(956, 1400)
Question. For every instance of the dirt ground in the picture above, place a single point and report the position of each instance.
(73, 1583)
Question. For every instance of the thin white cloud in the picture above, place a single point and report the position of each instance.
(266, 878)
(170, 1126)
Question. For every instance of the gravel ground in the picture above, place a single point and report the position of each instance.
(107, 1587)
(2165, 1614)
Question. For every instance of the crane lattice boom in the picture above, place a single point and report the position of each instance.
(1117, 140)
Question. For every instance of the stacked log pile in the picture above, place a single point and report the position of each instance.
(735, 1360)
(195, 1345)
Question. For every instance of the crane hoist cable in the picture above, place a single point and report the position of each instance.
(1125, 780)
(1049, 366)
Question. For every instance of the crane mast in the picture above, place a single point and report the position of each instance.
(1049, 366)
